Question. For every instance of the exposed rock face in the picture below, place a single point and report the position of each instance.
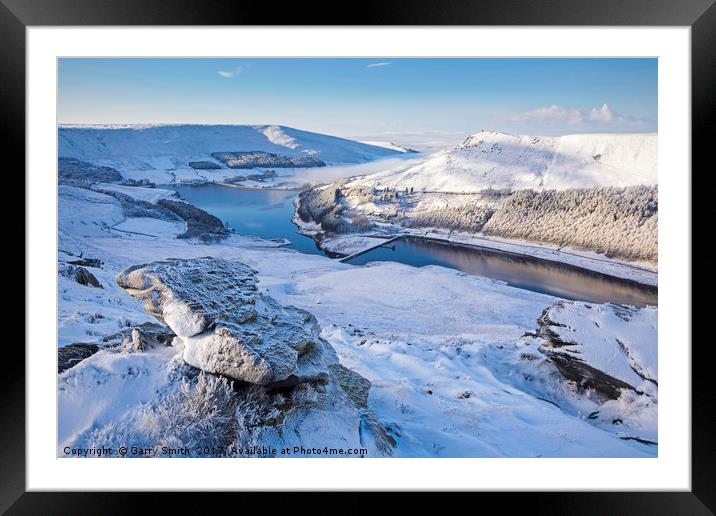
(608, 348)
(357, 388)
(225, 326)
(80, 275)
(87, 262)
(353, 384)
(72, 354)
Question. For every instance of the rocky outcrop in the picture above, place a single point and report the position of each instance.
(352, 384)
(141, 337)
(72, 354)
(87, 262)
(80, 275)
(357, 388)
(607, 348)
(290, 390)
(199, 224)
(138, 208)
(225, 326)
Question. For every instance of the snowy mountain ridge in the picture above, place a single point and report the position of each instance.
(493, 160)
(158, 143)
(389, 145)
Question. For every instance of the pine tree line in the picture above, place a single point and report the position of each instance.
(617, 222)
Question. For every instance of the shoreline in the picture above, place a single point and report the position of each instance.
(632, 272)
(639, 273)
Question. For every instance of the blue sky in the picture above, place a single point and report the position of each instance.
(410, 100)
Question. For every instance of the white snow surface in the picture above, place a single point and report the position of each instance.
(277, 135)
(139, 193)
(388, 145)
(625, 346)
(453, 373)
(83, 212)
(492, 160)
(161, 153)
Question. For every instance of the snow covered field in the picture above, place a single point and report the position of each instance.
(454, 360)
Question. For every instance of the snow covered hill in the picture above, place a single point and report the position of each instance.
(161, 153)
(390, 145)
(502, 161)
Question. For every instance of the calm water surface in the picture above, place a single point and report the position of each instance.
(262, 213)
(521, 271)
(267, 214)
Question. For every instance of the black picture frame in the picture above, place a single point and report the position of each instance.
(700, 15)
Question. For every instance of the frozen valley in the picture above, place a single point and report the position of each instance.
(177, 331)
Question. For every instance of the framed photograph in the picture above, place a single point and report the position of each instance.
(447, 248)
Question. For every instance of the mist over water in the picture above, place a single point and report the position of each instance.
(333, 173)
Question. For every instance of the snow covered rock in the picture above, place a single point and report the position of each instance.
(80, 275)
(199, 224)
(608, 348)
(225, 326)
(141, 337)
(291, 390)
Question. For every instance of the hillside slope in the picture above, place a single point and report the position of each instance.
(502, 161)
(157, 151)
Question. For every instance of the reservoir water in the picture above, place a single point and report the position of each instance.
(267, 214)
(545, 276)
(264, 213)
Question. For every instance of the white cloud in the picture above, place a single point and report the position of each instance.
(603, 114)
(573, 116)
(376, 65)
(228, 74)
(550, 113)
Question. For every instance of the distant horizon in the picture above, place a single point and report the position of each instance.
(368, 140)
(410, 101)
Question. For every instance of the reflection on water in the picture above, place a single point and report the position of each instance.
(548, 277)
(267, 214)
(263, 213)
